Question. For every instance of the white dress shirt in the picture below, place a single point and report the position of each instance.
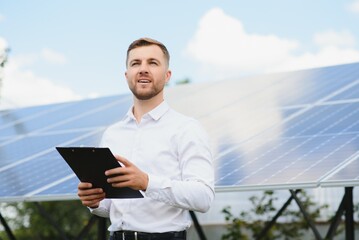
(174, 151)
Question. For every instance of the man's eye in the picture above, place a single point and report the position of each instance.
(153, 63)
(134, 63)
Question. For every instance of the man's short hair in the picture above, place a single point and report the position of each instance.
(147, 42)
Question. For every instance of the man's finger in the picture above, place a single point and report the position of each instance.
(121, 178)
(89, 192)
(84, 185)
(123, 160)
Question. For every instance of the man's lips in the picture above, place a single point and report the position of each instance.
(144, 81)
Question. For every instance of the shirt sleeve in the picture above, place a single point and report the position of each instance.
(103, 209)
(195, 190)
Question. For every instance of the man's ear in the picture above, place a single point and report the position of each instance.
(168, 76)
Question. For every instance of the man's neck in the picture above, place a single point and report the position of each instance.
(141, 107)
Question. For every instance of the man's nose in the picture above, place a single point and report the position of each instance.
(143, 69)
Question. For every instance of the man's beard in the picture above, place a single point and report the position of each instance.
(146, 95)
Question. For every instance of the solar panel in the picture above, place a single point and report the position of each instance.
(277, 131)
(345, 175)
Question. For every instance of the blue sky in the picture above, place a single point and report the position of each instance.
(67, 50)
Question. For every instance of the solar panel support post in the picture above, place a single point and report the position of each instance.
(336, 220)
(102, 228)
(306, 216)
(349, 218)
(7, 228)
(274, 219)
(51, 221)
(197, 226)
(87, 228)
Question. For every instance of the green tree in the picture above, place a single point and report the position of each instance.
(3, 56)
(183, 81)
(292, 224)
(3, 61)
(236, 226)
(28, 221)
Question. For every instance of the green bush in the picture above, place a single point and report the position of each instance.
(250, 223)
(27, 222)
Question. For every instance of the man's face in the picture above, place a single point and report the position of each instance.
(147, 72)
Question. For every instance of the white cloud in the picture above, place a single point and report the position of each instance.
(24, 88)
(332, 38)
(20, 87)
(333, 48)
(354, 6)
(225, 49)
(52, 56)
(3, 44)
(221, 42)
(326, 56)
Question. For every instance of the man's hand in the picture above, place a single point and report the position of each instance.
(127, 176)
(90, 197)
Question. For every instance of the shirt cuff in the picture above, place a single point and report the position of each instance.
(155, 184)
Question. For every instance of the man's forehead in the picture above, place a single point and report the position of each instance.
(146, 52)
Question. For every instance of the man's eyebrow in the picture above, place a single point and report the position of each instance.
(153, 59)
(148, 60)
(134, 60)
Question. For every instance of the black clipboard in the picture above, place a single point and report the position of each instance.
(90, 163)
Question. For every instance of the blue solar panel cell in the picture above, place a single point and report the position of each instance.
(285, 161)
(29, 146)
(310, 86)
(57, 116)
(93, 139)
(9, 116)
(32, 175)
(68, 187)
(346, 175)
(37, 172)
(113, 113)
(23, 121)
(327, 119)
(350, 93)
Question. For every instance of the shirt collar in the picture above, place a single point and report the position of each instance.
(159, 111)
(155, 113)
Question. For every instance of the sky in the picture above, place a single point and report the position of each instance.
(69, 50)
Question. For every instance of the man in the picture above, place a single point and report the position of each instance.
(164, 154)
